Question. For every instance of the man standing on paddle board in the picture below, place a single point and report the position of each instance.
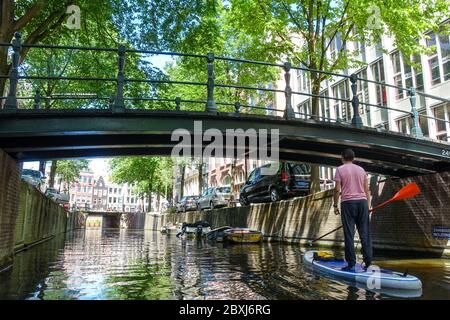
(353, 186)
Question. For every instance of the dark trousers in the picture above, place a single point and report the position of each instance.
(356, 213)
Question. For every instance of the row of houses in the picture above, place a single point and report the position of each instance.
(96, 193)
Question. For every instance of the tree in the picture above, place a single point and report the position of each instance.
(69, 170)
(148, 174)
(37, 20)
(308, 28)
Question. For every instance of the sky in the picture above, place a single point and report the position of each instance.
(99, 166)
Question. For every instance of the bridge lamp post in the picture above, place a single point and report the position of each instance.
(416, 131)
(356, 120)
(289, 112)
(37, 100)
(210, 103)
(11, 100)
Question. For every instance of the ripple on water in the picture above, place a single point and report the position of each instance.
(121, 264)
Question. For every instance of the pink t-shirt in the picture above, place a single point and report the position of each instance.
(352, 179)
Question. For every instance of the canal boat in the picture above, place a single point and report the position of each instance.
(243, 235)
(169, 230)
(197, 230)
(217, 234)
(376, 278)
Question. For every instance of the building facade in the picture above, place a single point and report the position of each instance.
(100, 195)
(81, 191)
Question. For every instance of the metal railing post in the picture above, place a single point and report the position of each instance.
(237, 107)
(119, 105)
(37, 100)
(416, 131)
(11, 99)
(210, 103)
(177, 103)
(289, 111)
(356, 119)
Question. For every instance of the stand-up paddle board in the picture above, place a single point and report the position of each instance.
(327, 263)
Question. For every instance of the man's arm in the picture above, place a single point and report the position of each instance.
(367, 190)
(336, 194)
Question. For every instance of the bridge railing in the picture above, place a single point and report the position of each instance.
(118, 101)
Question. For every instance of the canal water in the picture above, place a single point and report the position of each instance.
(127, 264)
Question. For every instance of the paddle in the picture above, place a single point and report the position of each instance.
(407, 192)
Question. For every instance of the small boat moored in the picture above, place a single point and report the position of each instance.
(217, 234)
(326, 263)
(243, 235)
(194, 230)
(169, 230)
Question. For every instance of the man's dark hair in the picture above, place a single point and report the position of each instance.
(348, 155)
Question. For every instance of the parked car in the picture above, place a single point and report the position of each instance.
(52, 193)
(214, 197)
(187, 203)
(289, 180)
(33, 177)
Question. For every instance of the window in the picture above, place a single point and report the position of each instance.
(303, 81)
(324, 106)
(404, 124)
(398, 79)
(423, 123)
(342, 108)
(444, 46)
(441, 112)
(379, 48)
(378, 75)
(335, 46)
(433, 60)
(304, 109)
(362, 91)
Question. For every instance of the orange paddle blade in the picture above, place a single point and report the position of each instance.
(407, 192)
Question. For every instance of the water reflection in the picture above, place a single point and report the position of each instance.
(125, 264)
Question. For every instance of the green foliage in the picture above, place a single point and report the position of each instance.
(146, 174)
(69, 170)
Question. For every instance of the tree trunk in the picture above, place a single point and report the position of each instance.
(42, 165)
(158, 199)
(183, 170)
(200, 177)
(150, 188)
(315, 90)
(51, 181)
(233, 176)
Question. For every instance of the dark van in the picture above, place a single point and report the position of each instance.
(287, 181)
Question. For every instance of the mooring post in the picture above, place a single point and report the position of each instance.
(11, 100)
(37, 99)
(356, 119)
(289, 111)
(119, 105)
(178, 103)
(210, 103)
(416, 131)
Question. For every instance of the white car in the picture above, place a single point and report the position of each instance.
(214, 197)
(33, 177)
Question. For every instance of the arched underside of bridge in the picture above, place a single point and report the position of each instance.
(29, 135)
